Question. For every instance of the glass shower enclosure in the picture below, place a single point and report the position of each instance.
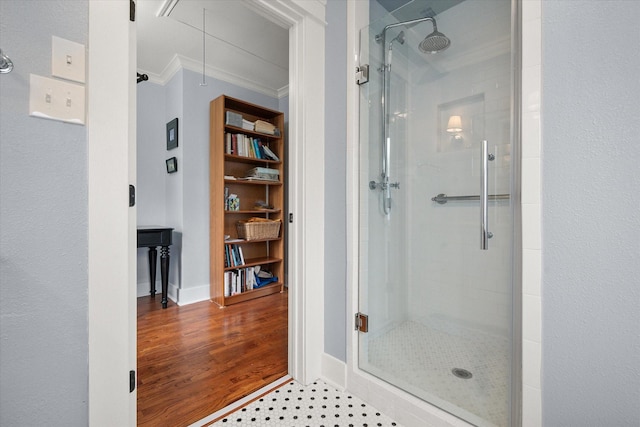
(438, 146)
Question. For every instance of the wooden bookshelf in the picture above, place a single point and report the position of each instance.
(225, 162)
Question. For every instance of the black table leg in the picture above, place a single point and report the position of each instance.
(164, 273)
(153, 256)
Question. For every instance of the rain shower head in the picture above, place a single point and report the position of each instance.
(434, 42)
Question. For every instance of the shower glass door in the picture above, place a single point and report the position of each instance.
(439, 306)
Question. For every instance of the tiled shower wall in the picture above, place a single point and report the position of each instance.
(450, 277)
(531, 220)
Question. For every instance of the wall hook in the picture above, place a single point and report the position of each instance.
(5, 63)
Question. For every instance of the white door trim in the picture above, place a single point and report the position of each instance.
(306, 22)
(111, 222)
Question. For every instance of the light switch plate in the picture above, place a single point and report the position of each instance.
(56, 100)
(67, 59)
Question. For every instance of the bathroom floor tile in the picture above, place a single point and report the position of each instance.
(315, 405)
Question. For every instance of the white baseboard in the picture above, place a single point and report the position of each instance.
(192, 295)
(144, 289)
(334, 371)
(175, 294)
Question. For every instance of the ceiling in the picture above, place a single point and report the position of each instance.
(242, 46)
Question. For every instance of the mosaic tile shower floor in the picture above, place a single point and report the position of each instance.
(407, 354)
(316, 405)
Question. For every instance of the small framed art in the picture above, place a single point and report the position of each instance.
(172, 134)
(172, 165)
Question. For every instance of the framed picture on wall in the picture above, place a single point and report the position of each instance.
(172, 165)
(172, 134)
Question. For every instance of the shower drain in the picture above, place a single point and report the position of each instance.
(461, 373)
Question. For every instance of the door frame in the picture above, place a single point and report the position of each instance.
(306, 23)
(111, 118)
(111, 160)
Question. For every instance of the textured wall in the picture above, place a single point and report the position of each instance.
(335, 249)
(43, 230)
(591, 214)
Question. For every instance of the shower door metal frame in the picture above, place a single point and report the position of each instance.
(364, 383)
(516, 206)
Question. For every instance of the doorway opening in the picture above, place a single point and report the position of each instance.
(112, 145)
(196, 351)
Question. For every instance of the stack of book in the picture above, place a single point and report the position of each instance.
(266, 127)
(266, 174)
(246, 124)
(233, 119)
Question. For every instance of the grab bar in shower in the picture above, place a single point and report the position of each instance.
(443, 198)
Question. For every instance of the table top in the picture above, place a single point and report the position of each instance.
(153, 235)
(151, 228)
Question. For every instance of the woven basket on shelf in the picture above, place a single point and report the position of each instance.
(258, 228)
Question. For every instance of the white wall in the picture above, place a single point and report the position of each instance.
(450, 277)
(43, 230)
(185, 203)
(590, 214)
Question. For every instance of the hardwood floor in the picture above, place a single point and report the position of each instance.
(197, 359)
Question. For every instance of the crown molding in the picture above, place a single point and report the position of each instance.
(179, 62)
(223, 75)
(283, 91)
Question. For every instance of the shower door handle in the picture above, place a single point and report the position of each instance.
(485, 234)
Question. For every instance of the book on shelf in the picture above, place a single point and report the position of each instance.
(233, 254)
(240, 280)
(240, 255)
(246, 146)
(262, 205)
(270, 154)
(246, 124)
(266, 127)
(233, 119)
(263, 173)
(232, 202)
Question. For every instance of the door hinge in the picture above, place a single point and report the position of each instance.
(362, 74)
(132, 381)
(290, 218)
(132, 10)
(362, 322)
(132, 195)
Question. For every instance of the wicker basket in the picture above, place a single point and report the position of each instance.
(258, 228)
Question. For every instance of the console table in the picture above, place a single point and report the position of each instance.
(151, 237)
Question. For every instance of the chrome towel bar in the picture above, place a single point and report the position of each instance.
(443, 198)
